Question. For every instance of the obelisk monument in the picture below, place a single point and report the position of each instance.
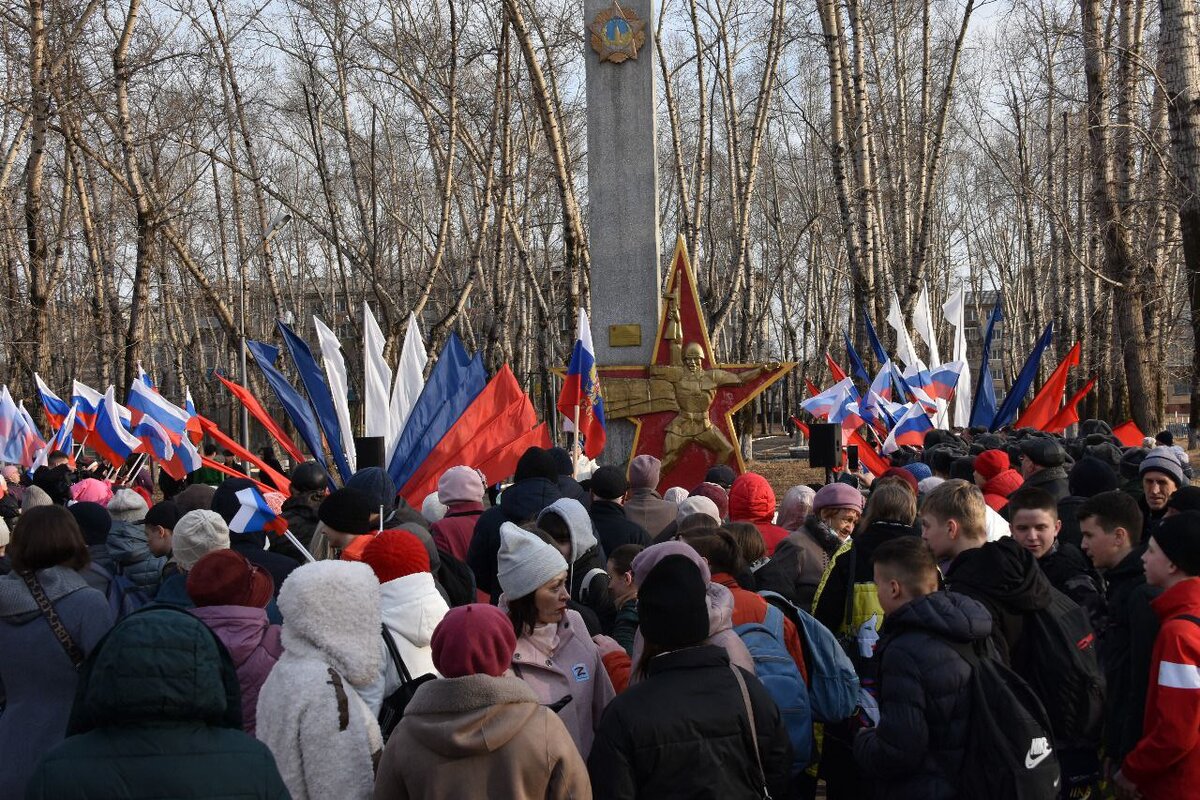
(623, 233)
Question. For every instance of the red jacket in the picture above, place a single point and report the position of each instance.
(1166, 762)
(453, 532)
(751, 499)
(997, 490)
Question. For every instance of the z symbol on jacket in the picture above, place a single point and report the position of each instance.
(1039, 751)
(580, 671)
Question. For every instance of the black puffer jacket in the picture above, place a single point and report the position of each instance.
(916, 751)
(1004, 577)
(683, 732)
(519, 503)
(1125, 642)
(1071, 573)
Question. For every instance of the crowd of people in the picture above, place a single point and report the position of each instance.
(996, 615)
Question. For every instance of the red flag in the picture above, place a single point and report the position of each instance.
(247, 398)
(838, 373)
(226, 441)
(1069, 414)
(503, 462)
(867, 455)
(1045, 403)
(502, 412)
(813, 391)
(801, 426)
(1129, 434)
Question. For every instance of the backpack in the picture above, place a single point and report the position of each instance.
(1058, 659)
(457, 579)
(391, 710)
(123, 595)
(1008, 754)
(781, 678)
(832, 682)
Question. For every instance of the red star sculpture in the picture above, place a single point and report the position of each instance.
(682, 403)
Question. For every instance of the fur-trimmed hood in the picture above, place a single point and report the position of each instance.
(331, 612)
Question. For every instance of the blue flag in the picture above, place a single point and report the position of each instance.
(319, 395)
(455, 381)
(983, 409)
(856, 365)
(297, 408)
(876, 345)
(1020, 388)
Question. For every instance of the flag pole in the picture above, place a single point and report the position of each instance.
(575, 444)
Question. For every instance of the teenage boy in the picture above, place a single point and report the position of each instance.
(1166, 761)
(916, 750)
(1035, 526)
(1111, 526)
(1002, 575)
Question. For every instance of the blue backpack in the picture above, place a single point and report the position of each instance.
(833, 687)
(781, 677)
(124, 596)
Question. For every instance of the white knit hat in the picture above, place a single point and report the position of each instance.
(698, 504)
(127, 505)
(525, 562)
(197, 534)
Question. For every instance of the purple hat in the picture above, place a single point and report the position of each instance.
(838, 495)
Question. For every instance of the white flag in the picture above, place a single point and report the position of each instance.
(409, 380)
(904, 346)
(923, 324)
(335, 372)
(377, 380)
(955, 310)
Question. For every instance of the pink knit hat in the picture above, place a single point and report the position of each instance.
(644, 472)
(91, 490)
(460, 485)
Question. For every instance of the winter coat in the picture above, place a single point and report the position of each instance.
(1068, 508)
(157, 716)
(251, 546)
(37, 677)
(647, 508)
(569, 487)
(752, 500)
(1166, 761)
(253, 643)
(302, 521)
(412, 609)
(519, 503)
(626, 625)
(1052, 480)
(1070, 571)
(1004, 577)
(1124, 643)
(799, 562)
(614, 528)
(100, 571)
(586, 573)
(129, 550)
(997, 489)
(479, 736)
(917, 748)
(10, 507)
(324, 738)
(573, 667)
(683, 732)
(829, 606)
(452, 533)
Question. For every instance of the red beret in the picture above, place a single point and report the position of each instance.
(475, 639)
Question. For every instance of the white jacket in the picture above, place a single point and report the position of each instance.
(323, 736)
(412, 608)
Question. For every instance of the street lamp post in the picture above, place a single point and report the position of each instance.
(276, 225)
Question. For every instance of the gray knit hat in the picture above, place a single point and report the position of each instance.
(127, 505)
(1163, 459)
(525, 562)
(196, 535)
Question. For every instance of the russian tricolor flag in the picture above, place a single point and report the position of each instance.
(832, 400)
(144, 401)
(581, 391)
(56, 408)
(195, 433)
(87, 402)
(944, 380)
(254, 514)
(184, 461)
(63, 441)
(910, 429)
(111, 440)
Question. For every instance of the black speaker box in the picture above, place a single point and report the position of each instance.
(824, 445)
(369, 450)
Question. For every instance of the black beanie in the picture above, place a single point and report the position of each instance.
(963, 469)
(1091, 476)
(1178, 537)
(164, 513)
(349, 510)
(608, 483)
(672, 604)
(1185, 498)
(94, 521)
(536, 463)
(562, 460)
(722, 475)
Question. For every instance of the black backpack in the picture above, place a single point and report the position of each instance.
(391, 711)
(1057, 657)
(1008, 753)
(457, 579)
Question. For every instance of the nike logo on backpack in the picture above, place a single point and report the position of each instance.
(1039, 751)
